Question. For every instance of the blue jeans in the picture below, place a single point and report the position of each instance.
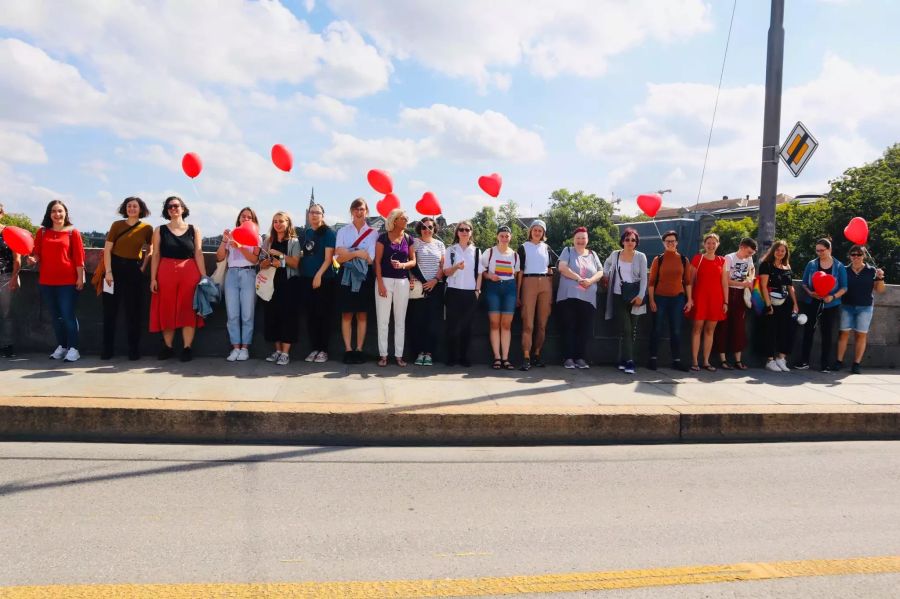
(672, 310)
(61, 300)
(240, 304)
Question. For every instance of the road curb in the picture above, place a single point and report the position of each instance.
(111, 420)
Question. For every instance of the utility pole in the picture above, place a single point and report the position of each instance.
(771, 126)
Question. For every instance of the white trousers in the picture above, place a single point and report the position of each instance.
(398, 296)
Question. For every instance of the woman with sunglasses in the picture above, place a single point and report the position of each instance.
(317, 282)
(240, 287)
(626, 271)
(394, 258)
(858, 306)
(710, 295)
(822, 311)
(176, 267)
(500, 267)
(576, 299)
(463, 278)
(426, 309)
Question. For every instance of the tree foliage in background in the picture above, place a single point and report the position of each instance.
(801, 225)
(731, 232)
(18, 220)
(871, 191)
(509, 215)
(579, 209)
(484, 227)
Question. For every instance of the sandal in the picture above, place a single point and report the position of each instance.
(401, 362)
(695, 368)
(709, 367)
(726, 366)
(496, 364)
(382, 361)
(740, 365)
(508, 365)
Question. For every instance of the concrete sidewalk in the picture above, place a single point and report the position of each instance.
(211, 400)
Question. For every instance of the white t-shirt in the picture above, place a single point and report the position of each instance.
(349, 234)
(738, 269)
(627, 272)
(428, 256)
(537, 258)
(236, 258)
(465, 277)
(504, 266)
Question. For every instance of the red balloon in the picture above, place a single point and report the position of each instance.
(18, 240)
(191, 165)
(650, 203)
(491, 184)
(380, 181)
(857, 230)
(428, 205)
(388, 203)
(823, 283)
(247, 234)
(281, 157)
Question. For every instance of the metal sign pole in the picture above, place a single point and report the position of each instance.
(771, 125)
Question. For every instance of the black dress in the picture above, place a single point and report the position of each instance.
(283, 310)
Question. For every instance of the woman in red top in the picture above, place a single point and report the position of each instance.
(59, 251)
(710, 295)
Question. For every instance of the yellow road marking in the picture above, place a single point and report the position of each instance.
(510, 585)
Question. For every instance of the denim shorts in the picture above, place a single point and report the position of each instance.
(501, 296)
(857, 318)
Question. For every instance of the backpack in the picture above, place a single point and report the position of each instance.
(659, 262)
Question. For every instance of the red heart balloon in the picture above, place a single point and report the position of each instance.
(428, 205)
(823, 283)
(388, 203)
(380, 181)
(18, 240)
(281, 157)
(650, 203)
(490, 184)
(191, 165)
(247, 234)
(857, 230)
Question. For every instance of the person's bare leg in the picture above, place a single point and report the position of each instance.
(347, 330)
(860, 347)
(360, 330)
(695, 341)
(843, 339)
(494, 321)
(505, 335)
(709, 330)
(168, 337)
(187, 336)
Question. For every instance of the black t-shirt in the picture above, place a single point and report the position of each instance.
(780, 279)
(6, 258)
(179, 247)
(860, 287)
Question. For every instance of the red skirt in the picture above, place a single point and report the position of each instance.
(172, 306)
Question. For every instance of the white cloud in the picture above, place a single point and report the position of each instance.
(664, 144)
(351, 67)
(17, 147)
(481, 41)
(387, 153)
(314, 170)
(465, 135)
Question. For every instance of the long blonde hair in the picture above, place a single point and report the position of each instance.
(289, 231)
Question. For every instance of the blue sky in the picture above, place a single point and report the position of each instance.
(101, 100)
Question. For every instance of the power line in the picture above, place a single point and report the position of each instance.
(716, 105)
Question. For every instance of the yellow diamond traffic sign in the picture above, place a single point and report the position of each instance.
(797, 148)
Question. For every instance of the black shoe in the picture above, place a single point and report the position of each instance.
(826, 369)
(837, 365)
(106, 355)
(134, 355)
(450, 363)
(465, 363)
(348, 357)
(165, 352)
(801, 366)
(678, 365)
(651, 364)
(186, 355)
(8, 351)
(359, 357)
(855, 368)
(526, 365)
(536, 361)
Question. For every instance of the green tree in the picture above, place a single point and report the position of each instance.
(579, 209)
(871, 191)
(509, 215)
(731, 232)
(484, 228)
(801, 225)
(18, 220)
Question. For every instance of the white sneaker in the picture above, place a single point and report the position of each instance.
(311, 357)
(273, 357)
(283, 359)
(321, 357)
(782, 364)
(773, 366)
(72, 355)
(233, 355)
(243, 354)
(59, 353)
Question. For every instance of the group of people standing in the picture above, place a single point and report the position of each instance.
(418, 279)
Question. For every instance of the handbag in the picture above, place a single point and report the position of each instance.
(218, 277)
(777, 297)
(417, 291)
(265, 283)
(630, 289)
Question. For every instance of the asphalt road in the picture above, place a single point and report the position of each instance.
(92, 513)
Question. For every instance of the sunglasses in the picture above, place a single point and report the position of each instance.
(429, 227)
(173, 206)
(464, 230)
(856, 255)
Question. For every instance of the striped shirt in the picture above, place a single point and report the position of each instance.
(428, 256)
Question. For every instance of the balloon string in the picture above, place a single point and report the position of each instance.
(197, 193)
(655, 226)
(869, 256)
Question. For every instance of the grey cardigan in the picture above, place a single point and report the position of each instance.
(293, 250)
(639, 269)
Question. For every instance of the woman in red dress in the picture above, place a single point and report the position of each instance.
(710, 295)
